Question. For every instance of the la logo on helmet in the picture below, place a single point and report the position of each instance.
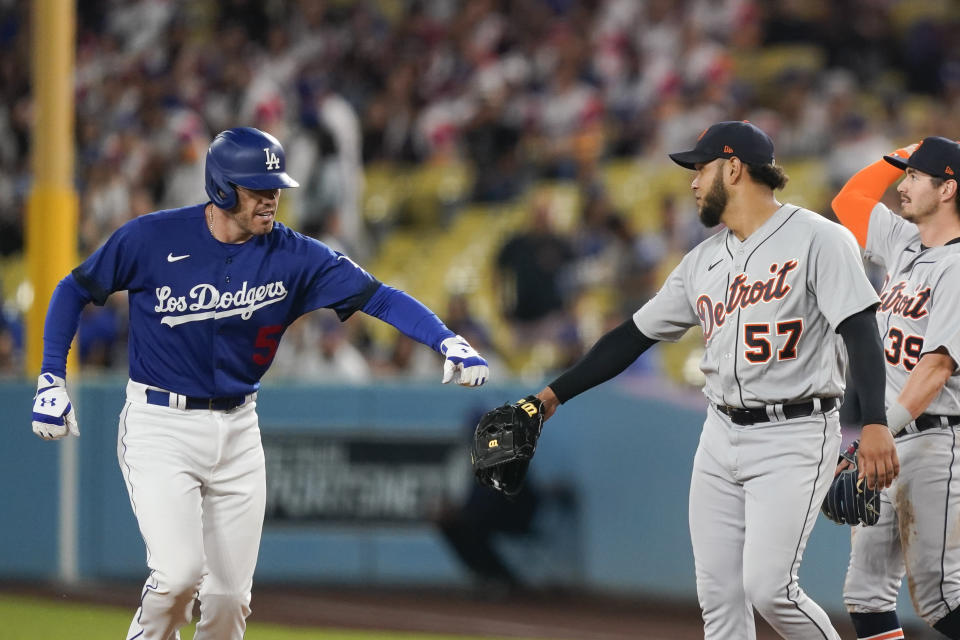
(273, 162)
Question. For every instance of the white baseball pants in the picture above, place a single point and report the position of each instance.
(197, 485)
(755, 494)
(918, 533)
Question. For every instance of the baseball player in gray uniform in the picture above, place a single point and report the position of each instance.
(918, 532)
(212, 288)
(777, 293)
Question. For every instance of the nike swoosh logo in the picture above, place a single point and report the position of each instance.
(710, 268)
(347, 258)
(173, 258)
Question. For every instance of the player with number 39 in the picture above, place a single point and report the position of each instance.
(212, 288)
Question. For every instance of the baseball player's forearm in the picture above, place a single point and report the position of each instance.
(867, 366)
(612, 353)
(63, 317)
(879, 464)
(925, 381)
(410, 316)
(550, 402)
(861, 194)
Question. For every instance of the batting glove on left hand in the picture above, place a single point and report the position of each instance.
(53, 415)
(463, 365)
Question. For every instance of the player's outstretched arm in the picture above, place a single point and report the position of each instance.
(614, 351)
(863, 191)
(462, 364)
(877, 459)
(550, 402)
(53, 413)
(923, 385)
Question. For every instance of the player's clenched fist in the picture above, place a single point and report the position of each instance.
(53, 415)
(463, 364)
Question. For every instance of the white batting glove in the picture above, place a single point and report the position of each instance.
(53, 415)
(463, 365)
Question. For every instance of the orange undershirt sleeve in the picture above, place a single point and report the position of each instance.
(861, 194)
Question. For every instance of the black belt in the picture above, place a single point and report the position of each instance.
(225, 403)
(753, 416)
(929, 421)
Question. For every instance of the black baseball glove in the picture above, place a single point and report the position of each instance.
(849, 500)
(504, 442)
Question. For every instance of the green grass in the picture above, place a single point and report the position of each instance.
(35, 618)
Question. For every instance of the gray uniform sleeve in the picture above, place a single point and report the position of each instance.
(669, 314)
(943, 330)
(837, 277)
(886, 234)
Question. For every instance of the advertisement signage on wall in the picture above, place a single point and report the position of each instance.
(351, 478)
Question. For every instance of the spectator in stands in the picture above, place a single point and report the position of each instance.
(610, 254)
(493, 143)
(388, 132)
(329, 207)
(316, 209)
(570, 114)
(594, 239)
(460, 318)
(185, 177)
(106, 204)
(533, 275)
(804, 128)
(318, 349)
(403, 360)
(678, 230)
(853, 139)
(509, 88)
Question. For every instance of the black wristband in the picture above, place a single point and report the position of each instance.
(612, 353)
(868, 372)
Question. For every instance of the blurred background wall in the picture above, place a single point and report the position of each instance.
(354, 473)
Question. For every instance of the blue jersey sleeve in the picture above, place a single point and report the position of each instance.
(335, 282)
(63, 316)
(112, 267)
(409, 315)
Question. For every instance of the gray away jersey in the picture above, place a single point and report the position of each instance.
(769, 308)
(919, 303)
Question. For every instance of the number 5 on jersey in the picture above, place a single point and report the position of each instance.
(759, 349)
(266, 341)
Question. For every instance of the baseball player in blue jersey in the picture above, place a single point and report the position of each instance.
(212, 287)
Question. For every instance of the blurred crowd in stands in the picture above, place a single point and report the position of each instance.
(516, 91)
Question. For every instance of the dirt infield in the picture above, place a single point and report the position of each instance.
(558, 616)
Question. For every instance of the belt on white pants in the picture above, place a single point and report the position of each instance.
(777, 412)
(146, 394)
(929, 421)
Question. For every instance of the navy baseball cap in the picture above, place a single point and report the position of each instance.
(936, 156)
(725, 140)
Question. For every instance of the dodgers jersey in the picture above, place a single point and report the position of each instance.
(205, 316)
(769, 308)
(919, 302)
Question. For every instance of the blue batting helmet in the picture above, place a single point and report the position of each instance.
(246, 157)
